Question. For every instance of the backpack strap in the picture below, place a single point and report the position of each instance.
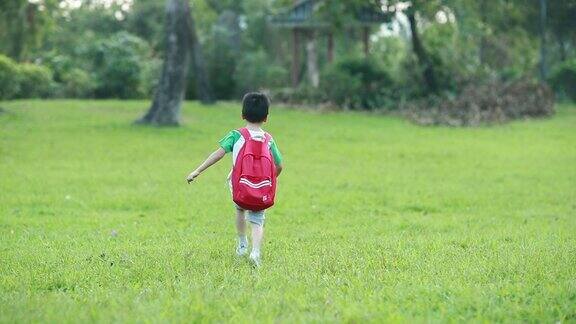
(245, 133)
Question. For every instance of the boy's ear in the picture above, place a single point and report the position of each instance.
(243, 117)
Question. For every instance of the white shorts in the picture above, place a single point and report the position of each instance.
(254, 217)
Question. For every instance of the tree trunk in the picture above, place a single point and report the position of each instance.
(366, 41)
(181, 41)
(562, 48)
(330, 47)
(18, 36)
(295, 69)
(202, 81)
(543, 56)
(165, 109)
(312, 60)
(483, 41)
(421, 54)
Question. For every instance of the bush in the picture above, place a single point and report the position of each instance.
(35, 81)
(9, 83)
(302, 95)
(151, 76)
(77, 83)
(58, 64)
(222, 54)
(118, 64)
(357, 84)
(256, 72)
(563, 79)
(340, 87)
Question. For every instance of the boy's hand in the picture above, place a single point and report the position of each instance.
(192, 176)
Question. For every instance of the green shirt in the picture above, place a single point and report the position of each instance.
(233, 142)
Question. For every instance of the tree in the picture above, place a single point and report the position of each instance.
(562, 26)
(199, 66)
(224, 51)
(181, 41)
(543, 70)
(421, 54)
(23, 25)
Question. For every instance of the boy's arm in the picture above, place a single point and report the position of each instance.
(211, 160)
(277, 157)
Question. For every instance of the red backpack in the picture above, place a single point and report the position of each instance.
(254, 174)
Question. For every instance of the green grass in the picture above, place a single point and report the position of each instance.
(376, 219)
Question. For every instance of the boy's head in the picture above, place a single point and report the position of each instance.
(255, 107)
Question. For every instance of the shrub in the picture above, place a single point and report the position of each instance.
(302, 95)
(222, 54)
(35, 81)
(77, 83)
(58, 64)
(117, 64)
(151, 76)
(340, 87)
(357, 84)
(563, 79)
(9, 83)
(256, 72)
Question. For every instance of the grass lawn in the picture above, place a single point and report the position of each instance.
(376, 219)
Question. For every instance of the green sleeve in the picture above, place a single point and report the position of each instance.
(227, 143)
(275, 153)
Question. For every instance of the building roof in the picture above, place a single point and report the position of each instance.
(304, 15)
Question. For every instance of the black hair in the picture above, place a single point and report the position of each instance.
(255, 107)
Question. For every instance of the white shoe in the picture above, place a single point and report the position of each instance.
(241, 249)
(255, 259)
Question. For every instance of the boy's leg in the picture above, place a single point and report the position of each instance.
(256, 219)
(257, 235)
(241, 222)
(242, 247)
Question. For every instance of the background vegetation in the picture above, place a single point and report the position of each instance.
(113, 49)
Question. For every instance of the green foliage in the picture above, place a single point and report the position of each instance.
(481, 40)
(77, 83)
(117, 66)
(376, 220)
(451, 63)
(442, 45)
(59, 64)
(357, 84)
(340, 87)
(24, 25)
(151, 76)
(223, 53)
(390, 52)
(511, 55)
(564, 79)
(257, 71)
(24, 80)
(9, 83)
(146, 20)
(35, 81)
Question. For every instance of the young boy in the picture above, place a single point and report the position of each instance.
(255, 111)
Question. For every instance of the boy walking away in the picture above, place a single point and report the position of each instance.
(256, 163)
